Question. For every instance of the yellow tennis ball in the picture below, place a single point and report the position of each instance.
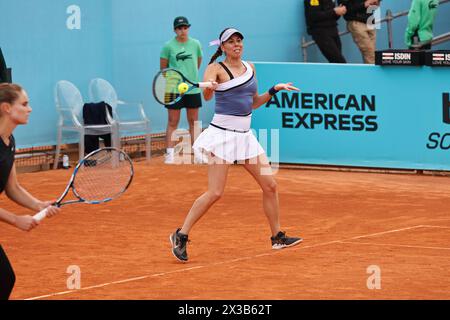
(183, 87)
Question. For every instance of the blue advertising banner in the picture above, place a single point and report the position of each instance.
(357, 115)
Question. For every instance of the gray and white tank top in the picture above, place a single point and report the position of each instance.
(235, 97)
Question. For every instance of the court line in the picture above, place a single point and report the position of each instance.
(441, 227)
(301, 247)
(113, 282)
(385, 232)
(395, 245)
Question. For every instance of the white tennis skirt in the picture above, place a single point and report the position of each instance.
(227, 145)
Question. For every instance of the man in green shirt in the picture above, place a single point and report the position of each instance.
(184, 54)
(420, 22)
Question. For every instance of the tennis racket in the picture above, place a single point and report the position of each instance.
(101, 176)
(166, 86)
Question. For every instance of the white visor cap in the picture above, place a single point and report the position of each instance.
(228, 33)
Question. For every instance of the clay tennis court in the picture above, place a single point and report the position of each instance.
(349, 221)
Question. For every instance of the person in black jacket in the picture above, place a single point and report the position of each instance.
(321, 20)
(3, 69)
(14, 110)
(360, 24)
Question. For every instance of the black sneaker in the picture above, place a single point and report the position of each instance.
(281, 241)
(179, 242)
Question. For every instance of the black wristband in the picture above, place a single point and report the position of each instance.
(273, 91)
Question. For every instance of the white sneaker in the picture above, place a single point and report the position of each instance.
(169, 158)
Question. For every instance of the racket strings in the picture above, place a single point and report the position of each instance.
(103, 175)
(166, 86)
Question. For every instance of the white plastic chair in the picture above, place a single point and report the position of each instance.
(69, 105)
(130, 119)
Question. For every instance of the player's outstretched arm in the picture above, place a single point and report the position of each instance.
(259, 100)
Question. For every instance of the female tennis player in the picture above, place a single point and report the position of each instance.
(14, 111)
(228, 139)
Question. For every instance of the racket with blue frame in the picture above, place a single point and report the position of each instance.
(166, 86)
(101, 176)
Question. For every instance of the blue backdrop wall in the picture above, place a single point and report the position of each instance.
(365, 116)
(121, 40)
(137, 43)
(41, 50)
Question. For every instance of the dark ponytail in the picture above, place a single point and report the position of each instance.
(219, 50)
(216, 55)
